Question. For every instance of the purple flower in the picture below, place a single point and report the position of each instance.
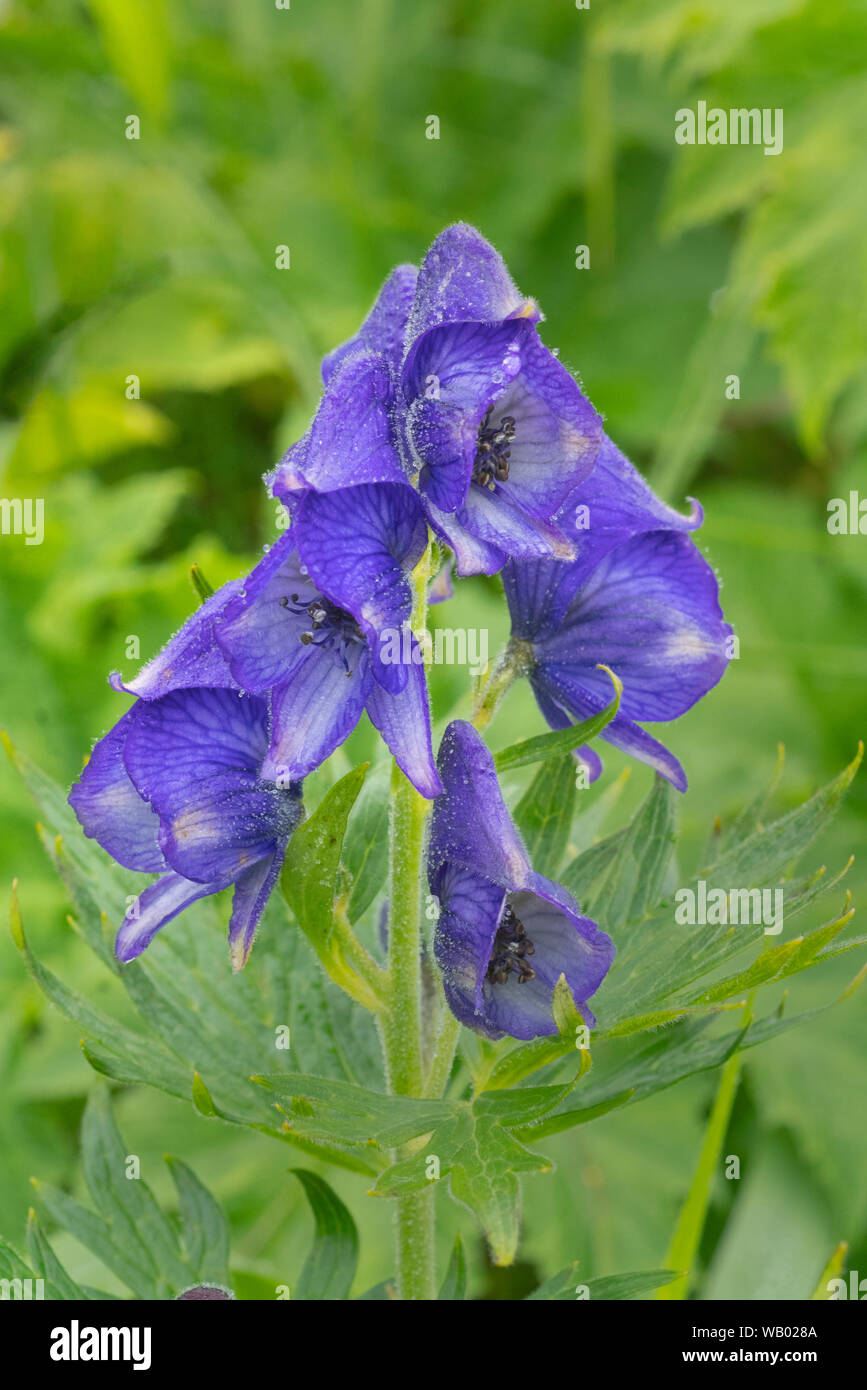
(447, 385)
(176, 788)
(646, 606)
(316, 623)
(505, 934)
(498, 432)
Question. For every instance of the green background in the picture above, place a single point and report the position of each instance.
(155, 257)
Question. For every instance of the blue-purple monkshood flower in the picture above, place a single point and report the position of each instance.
(316, 624)
(448, 385)
(648, 609)
(495, 427)
(505, 934)
(176, 788)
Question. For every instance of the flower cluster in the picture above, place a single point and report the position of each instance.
(444, 417)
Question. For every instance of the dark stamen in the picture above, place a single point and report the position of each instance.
(491, 463)
(512, 945)
(330, 626)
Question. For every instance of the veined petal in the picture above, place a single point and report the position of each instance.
(470, 908)
(196, 756)
(154, 907)
(557, 432)
(586, 693)
(404, 721)
(558, 941)
(650, 611)
(559, 718)
(384, 328)
(359, 545)
(110, 809)
(351, 439)
(290, 476)
(622, 733)
(193, 657)
(497, 521)
(615, 502)
(252, 891)
(261, 628)
(445, 435)
(313, 711)
(471, 825)
(538, 594)
(463, 277)
(472, 554)
(466, 365)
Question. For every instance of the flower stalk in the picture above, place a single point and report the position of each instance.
(403, 1024)
(513, 661)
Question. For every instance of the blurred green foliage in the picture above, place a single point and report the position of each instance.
(155, 259)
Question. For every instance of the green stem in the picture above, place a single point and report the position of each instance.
(402, 1026)
(444, 1055)
(374, 980)
(408, 814)
(687, 1235)
(514, 660)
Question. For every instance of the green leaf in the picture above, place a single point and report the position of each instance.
(324, 1109)
(11, 1264)
(121, 1053)
(474, 1148)
(764, 854)
(47, 1265)
(309, 877)
(673, 1055)
(454, 1286)
(136, 39)
(200, 584)
(97, 1236)
(309, 884)
(365, 845)
(763, 1253)
(554, 745)
(777, 963)
(832, 1270)
(203, 1226)
(137, 1224)
(203, 1101)
(529, 1057)
(330, 1267)
(621, 879)
(568, 1285)
(661, 965)
(386, 1292)
(129, 1232)
(544, 814)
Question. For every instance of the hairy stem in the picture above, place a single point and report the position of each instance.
(402, 1026)
(443, 1055)
(514, 661)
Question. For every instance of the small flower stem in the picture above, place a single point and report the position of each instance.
(444, 1055)
(373, 979)
(514, 660)
(402, 1025)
